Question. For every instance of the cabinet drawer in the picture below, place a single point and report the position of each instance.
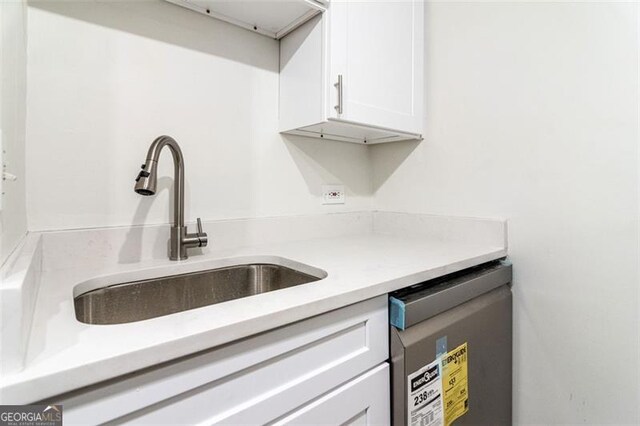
(255, 380)
(368, 403)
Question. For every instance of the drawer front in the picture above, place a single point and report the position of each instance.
(368, 403)
(255, 380)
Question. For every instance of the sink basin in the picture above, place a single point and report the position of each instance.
(151, 298)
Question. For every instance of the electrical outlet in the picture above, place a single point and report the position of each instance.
(333, 194)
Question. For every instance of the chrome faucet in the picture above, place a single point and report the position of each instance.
(146, 182)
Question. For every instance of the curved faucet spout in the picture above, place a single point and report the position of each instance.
(148, 178)
(146, 184)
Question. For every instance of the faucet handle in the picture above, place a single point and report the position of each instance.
(202, 236)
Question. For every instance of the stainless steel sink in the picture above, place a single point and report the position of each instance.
(144, 299)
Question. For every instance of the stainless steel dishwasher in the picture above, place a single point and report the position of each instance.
(451, 349)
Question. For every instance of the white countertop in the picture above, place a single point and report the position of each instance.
(64, 354)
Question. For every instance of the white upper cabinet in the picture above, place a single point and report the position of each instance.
(355, 73)
(273, 18)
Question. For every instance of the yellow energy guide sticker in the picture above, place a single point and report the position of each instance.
(455, 384)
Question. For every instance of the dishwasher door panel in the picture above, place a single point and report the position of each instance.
(485, 324)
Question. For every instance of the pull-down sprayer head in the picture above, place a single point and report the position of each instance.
(147, 178)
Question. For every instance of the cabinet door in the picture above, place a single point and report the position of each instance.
(256, 380)
(377, 48)
(364, 400)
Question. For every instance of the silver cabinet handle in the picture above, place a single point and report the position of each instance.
(338, 86)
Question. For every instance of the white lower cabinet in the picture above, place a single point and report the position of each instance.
(361, 401)
(329, 369)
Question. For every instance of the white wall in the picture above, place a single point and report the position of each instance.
(533, 115)
(106, 78)
(13, 77)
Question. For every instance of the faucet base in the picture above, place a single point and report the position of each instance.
(177, 251)
(181, 240)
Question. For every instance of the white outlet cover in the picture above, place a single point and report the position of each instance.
(333, 194)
